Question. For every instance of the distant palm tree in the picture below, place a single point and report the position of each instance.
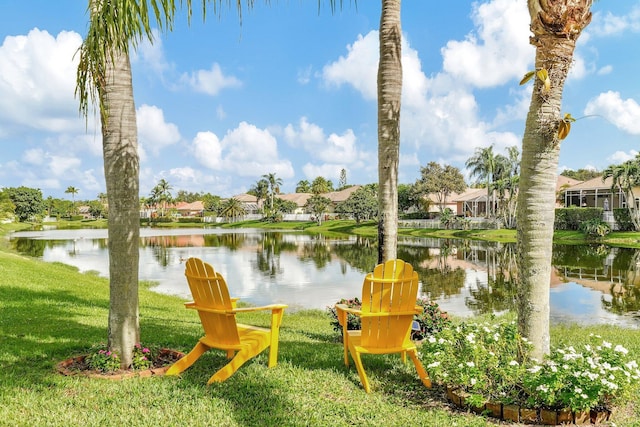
(321, 185)
(260, 190)
(232, 209)
(274, 186)
(303, 186)
(483, 166)
(73, 191)
(161, 193)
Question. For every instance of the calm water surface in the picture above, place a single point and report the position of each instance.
(590, 284)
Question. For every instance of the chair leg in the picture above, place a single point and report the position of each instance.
(421, 371)
(363, 375)
(188, 360)
(230, 368)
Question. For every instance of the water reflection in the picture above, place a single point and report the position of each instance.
(590, 284)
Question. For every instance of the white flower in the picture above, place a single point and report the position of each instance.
(621, 349)
(513, 363)
(471, 338)
(431, 339)
(606, 344)
(578, 390)
(433, 365)
(473, 381)
(496, 336)
(534, 369)
(631, 365)
(471, 364)
(543, 388)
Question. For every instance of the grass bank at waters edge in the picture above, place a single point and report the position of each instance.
(51, 312)
(369, 229)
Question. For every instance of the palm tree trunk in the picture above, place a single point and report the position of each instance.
(536, 198)
(121, 170)
(389, 97)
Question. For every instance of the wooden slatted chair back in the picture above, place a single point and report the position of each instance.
(391, 288)
(210, 291)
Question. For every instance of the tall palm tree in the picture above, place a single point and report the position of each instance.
(104, 75)
(556, 26)
(389, 97)
(274, 186)
(73, 191)
(483, 166)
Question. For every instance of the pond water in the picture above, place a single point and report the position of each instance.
(590, 284)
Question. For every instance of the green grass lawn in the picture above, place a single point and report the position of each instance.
(49, 312)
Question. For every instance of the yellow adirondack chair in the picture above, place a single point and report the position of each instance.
(389, 296)
(217, 313)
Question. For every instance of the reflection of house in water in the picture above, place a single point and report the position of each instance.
(181, 241)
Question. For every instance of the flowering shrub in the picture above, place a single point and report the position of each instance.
(103, 360)
(480, 358)
(583, 378)
(431, 320)
(491, 362)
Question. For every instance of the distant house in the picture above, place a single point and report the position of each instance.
(194, 209)
(596, 193)
(249, 203)
(300, 199)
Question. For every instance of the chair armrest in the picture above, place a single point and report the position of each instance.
(344, 307)
(387, 314)
(272, 307)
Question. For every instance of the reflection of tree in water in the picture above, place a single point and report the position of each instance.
(318, 251)
(440, 281)
(361, 254)
(626, 298)
(232, 241)
(268, 253)
(31, 247)
(499, 293)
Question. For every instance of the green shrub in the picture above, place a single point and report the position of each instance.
(623, 219)
(571, 218)
(595, 228)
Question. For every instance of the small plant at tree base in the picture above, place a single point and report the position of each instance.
(103, 360)
(142, 358)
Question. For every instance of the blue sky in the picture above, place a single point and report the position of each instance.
(292, 91)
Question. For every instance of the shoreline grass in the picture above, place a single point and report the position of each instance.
(51, 312)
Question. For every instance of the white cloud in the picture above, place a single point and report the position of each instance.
(246, 151)
(208, 150)
(607, 69)
(152, 53)
(620, 157)
(358, 68)
(210, 81)
(328, 171)
(498, 52)
(37, 83)
(624, 114)
(153, 132)
(607, 24)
